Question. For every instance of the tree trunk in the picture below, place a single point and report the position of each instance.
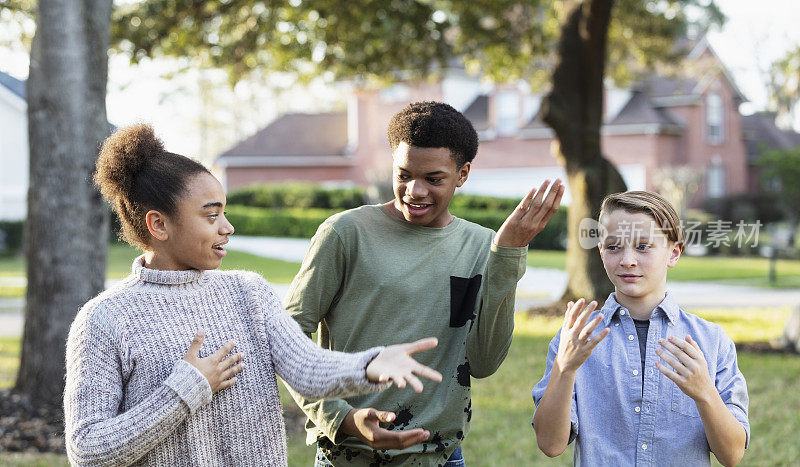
(791, 332)
(574, 110)
(66, 233)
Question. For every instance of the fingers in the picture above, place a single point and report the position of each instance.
(598, 338)
(589, 328)
(415, 383)
(383, 416)
(675, 377)
(402, 439)
(678, 352)
(197, 343)
(234, 365)
(676, 364)
(227, 383)
(537, 199)
(223, 351)
(584, 316)
(573, 311)
(421, 345)
(428, 373)
(691, 347)
(526, 201)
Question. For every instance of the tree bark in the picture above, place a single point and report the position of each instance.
(574, 110)
(66, 233)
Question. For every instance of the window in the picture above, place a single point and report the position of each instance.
(714, 118)
(716, 178)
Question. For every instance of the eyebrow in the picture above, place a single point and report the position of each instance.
(437, 172)
(214, 204)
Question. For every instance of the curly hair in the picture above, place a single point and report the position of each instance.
(434, 125)
(135, 175)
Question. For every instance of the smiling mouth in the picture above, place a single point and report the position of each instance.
(218, 248)
(417, 208)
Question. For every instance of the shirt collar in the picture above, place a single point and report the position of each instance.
(667, 306)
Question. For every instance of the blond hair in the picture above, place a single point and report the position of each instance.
(652, 204)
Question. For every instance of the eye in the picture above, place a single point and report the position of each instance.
(611, 247)
(402, 177)
(643, 247)
(434, 180)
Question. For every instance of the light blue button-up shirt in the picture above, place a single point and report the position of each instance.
(618, 420)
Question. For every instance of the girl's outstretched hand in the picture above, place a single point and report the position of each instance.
(395, 364)
(219, 368)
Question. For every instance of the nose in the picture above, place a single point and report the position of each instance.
(226, 228)
(416, 189)
(628, 257)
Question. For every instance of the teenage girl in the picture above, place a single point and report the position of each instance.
(134, 393)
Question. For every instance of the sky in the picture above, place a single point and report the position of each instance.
(756, 33)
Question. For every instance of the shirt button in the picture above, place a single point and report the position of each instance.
(635, 372)
(630, 337)
(644, 447)
(637, 409)
(622, 312)
(616, 324)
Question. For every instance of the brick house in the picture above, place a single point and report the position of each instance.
(658, 123)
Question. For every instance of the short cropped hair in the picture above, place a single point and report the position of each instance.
(434, 125)
(652, 204)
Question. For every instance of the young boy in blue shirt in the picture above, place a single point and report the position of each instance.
(664, 387)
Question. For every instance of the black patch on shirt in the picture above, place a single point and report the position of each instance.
(462, 374)
(402, 418)
(463, 295)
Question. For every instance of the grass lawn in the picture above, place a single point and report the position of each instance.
(501, 432)
(735, 270)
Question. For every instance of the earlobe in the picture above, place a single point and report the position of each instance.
(157, 225)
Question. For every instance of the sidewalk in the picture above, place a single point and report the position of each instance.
(538, 286)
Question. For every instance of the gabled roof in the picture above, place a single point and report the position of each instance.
(640, 110)
(760, 132)
(13, 84)
(478, 113)
(296, 135)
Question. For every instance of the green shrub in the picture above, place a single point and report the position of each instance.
(297, 195)
(11, 236)
(462, 201)
(277, 222)
(303, 222)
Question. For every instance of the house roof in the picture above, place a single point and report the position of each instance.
(760, 132)
(296, 134)
(13, 84)
(640, 110)
(478, 113)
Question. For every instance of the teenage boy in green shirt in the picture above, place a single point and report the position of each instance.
(405, 269)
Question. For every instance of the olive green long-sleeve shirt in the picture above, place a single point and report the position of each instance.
(371, 279)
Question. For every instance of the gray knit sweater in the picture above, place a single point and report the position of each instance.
(131, 398)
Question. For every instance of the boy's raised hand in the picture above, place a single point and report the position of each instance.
(530, 216)
(689, 367)
(395, 364)
(575, 344)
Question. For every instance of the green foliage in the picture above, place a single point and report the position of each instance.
(11, 236)
(505, 40)
(277, 222)
(780, 172)
(297, 195)
(784, 85)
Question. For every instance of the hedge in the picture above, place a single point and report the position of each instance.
(297, 195)
(11, 236)
(303, 223)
